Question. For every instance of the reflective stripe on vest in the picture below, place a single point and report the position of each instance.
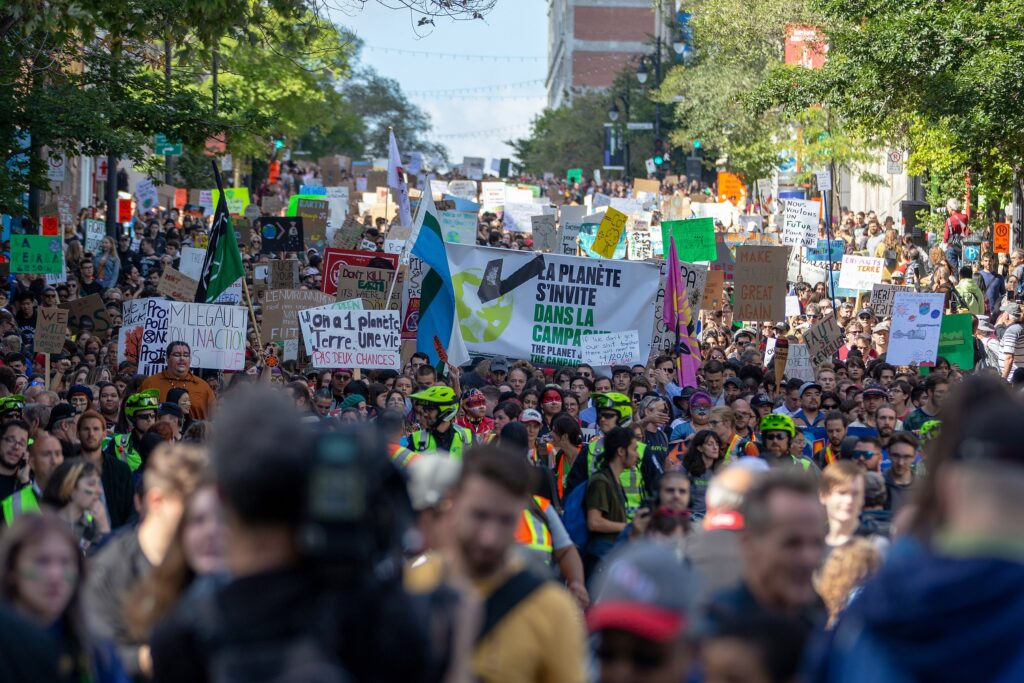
(402, 457)
(128, 457)
(23, 502)
(423, 442)
(630, 479)
(533, 532)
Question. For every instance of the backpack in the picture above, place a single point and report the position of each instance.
(574, 516)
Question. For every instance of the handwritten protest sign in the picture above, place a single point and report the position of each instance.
(545, 238)
(645, 185)
(51, 330)
(800, 223)
(215, 334)
(860, 272)
(458, 227)
(916, 327)
(36, 254)
(823, 340)
(279, 234)
(369, 284)
(88, 313)
(133, 324)
(609, 232)
(334, 259)
(826, 249)
(712, 299)
(612, 348)
(694, 237)
(695, 279)
(362, 339)
(570, 219)
(798, 363)
(638, 245)
(177, 285)
(283, 274)
(882, 297)
(281, 311)
(314, 214)
(95, 231)
(760, 283)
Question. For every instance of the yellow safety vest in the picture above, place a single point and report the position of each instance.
(423, 441)
(630, 478)
(21, 502)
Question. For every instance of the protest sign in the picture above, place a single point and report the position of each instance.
(538, 306)
(588, 235)
(95, 231)
(397, 239)
(826, 249)
(50, 226)
(792, 306)
(545, 238)
(36, 254)
(51, 330)
(362, 339)
(956, 340)
(638, 245)
(731, 188)
(278, 234)
(517, 216)
(458, 227)
(712, 299)
(570, 219)
(574, 175)
(348, 235)
(216, 334)
(88, 313)
(882, 297)
(609, 232)
(281, 309)
(724, 260)
(646, 185)
(335, 258)
(798, 364)
(314, 214)
(236, 198)
(694, 238)
(369, 284)
(800, 223)
(860, 272)
(464, 189)
(612, 348)
(823, 340)
(133, 324)
(492, 195)
(694, 277)
(915, 329)
(191, 263)
(176, 285)
(146, 195)
(283, 274)
(760, 283)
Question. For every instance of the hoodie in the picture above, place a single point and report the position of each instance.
(972, 295)
(929, 617)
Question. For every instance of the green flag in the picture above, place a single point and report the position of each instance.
(223, 263)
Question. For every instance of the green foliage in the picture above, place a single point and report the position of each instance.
(563, 138)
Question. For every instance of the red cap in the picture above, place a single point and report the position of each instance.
(647, 621)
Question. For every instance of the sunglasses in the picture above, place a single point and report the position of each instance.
(830, 406)
(775, 436)
(637, 396)
(864, 455)
(611, 415)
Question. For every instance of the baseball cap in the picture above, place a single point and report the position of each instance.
(80, 389)
(881, 327)
(866, 311)
(809, 385)
(761, 400)
(1012, 310)
(499, 364)
(530, 415)
(735, 381)
(875, 390)
(170, 409)
(61, 411)
(646, 590)
(430, 478)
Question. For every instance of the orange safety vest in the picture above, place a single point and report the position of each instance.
(532, 531)
(402, 456)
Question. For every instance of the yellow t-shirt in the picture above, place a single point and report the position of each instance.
(541, 640)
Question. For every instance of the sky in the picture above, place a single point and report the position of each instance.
(492, 115)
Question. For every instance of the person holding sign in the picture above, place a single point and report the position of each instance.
(178, 375)
(436, 408)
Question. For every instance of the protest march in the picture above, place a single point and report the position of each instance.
(341, 417)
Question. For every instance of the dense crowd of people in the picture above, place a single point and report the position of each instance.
(862, 523)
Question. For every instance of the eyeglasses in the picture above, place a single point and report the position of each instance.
(586, 374)
(775, 436)
(15, 442)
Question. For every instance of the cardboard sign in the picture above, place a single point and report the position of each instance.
(638, 245)
(609, 232)
(314, 214)
(612, 348)
(335, 258)
(283, 274)
(362, 339)
(915, 329)
(369, 284)
(712, 299)
(861, 272)
(279, 234)
(646, 185)
(823, 340)
(349, 234)
(95, 231)
(1001, 238)
(798, 363)
(37, 254)
(800, 223)
(694, 238)
(177, 285)
(545, 237)
(281, 309)
(760, 283)
(88, 313)
(882, 297)
(458, 227)
(51, 330)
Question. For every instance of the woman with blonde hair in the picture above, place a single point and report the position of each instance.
(75, 491)
(844, 572)
(889, 251)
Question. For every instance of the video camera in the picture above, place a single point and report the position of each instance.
(357, 509)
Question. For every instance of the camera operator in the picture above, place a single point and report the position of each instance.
(312, 520)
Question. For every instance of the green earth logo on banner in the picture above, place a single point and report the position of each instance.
(480, 322)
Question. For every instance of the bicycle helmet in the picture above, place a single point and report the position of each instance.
(776, 422)
(441, 397)
(613, 400)
(10, 404)
(144, 400)
(930, 430)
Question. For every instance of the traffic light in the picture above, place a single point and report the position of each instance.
(660, 153)
(696, 144)
(278, 143)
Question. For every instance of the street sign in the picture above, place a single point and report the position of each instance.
(894, 162)
(639, 125)
(165, 148)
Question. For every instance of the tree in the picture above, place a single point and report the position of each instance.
(568, 137)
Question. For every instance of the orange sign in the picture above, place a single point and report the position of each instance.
(805, 46)
(180, 198)
(1001, 238)
(124, 211)
(731, 188)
